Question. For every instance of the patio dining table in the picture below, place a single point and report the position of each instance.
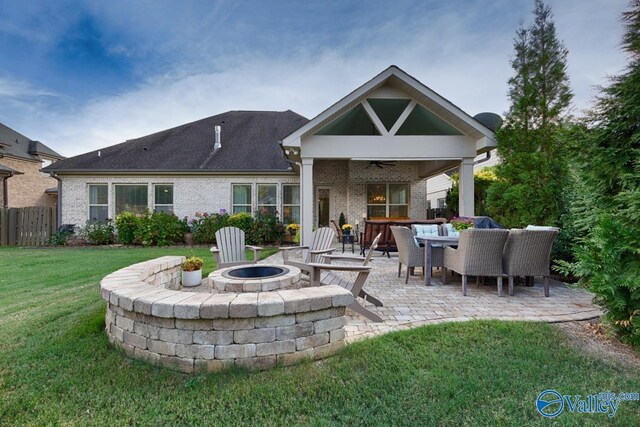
(431, 240)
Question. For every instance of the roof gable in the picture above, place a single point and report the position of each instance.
(398, 80)
(15, 144)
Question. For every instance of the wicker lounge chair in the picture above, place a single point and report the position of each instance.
(527, 253)
(231, 250)
(479, 253)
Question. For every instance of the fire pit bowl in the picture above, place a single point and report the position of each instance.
(255, 278)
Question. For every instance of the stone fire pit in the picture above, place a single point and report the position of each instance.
(255, 278)
(266, 322)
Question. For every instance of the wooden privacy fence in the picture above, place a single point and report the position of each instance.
(27, 226)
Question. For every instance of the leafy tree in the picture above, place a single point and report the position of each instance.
(532, 175)
(606, 211)
(482, 179)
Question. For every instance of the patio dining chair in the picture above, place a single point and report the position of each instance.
(321, 244)
(338, 230)
(356, 287)
(231, 248)
(410, 254)
(479, 253)
(527, 253)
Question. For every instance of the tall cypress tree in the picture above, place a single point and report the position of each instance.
(533, 172)
(607, 207)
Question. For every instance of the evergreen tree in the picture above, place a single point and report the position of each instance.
(607, 207)
(533, 171)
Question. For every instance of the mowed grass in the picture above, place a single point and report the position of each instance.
(57, 367)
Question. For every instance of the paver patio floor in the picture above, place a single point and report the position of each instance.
(414, 304)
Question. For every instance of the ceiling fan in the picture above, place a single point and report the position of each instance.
(380, 163)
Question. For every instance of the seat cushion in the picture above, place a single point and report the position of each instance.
(429, 230)
(450, 231)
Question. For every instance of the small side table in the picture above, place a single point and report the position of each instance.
(350, 238)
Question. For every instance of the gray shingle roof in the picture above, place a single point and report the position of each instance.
(250, 142)
(15, 144)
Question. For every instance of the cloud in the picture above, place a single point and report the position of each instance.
(460, 52)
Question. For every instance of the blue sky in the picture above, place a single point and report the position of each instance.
(83, 75)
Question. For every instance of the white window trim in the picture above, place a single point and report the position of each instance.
(288, 204)
(252, 197)
(90, 205)
(275, 203)
(387, 204)
(153, 192)
(129, 184)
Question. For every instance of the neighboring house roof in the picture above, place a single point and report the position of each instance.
(15, 144)
(399, 79)
(7, 171)
(249, 139)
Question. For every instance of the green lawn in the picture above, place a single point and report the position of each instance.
(56, 366)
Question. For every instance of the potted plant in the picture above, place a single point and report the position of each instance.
(292, 229)
(346, 229)
(461, 223)
(192, 271)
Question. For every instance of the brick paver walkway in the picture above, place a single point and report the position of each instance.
(413, 304)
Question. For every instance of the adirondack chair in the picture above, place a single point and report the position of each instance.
(356, 286)
(231, 249)
(320, 245)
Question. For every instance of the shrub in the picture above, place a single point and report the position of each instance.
(60, 237)
(126, 224)
(98, 232)
(341, 220)
(266, 229)
(160, 228)
(205, 226)
(241, 220)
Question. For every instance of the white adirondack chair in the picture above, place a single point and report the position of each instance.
(231, 249)
(320, 245)
(356, 286)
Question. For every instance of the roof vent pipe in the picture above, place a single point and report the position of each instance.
(217, 144)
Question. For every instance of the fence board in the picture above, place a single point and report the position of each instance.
(30, 226)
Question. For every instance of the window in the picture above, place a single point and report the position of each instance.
(442, 203)
(291, 204)
(163, 198)
(387, 201)
(241, 198)
(131, 198)
(98, 202)
(267, 198)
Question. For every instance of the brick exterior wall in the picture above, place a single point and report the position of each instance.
(190, 194)
(28, 189)
(348, 181)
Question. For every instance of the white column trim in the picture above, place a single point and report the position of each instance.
(466, 187)
(306, 201)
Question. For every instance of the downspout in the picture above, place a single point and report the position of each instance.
(59, 203)
(5, 191)
(487, 157)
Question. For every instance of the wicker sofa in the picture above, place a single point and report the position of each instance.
(387, 243)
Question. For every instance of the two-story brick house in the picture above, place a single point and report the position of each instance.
(22, 183)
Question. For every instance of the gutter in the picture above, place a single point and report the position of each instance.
(59, 202)
(487, 157)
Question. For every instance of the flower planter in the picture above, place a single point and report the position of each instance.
(191, 278)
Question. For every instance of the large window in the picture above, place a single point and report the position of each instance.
(98, 202)
(387, 201)
(241, 198)
(163, 198)
(291, 204)
(131, 198)
(267, 201)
